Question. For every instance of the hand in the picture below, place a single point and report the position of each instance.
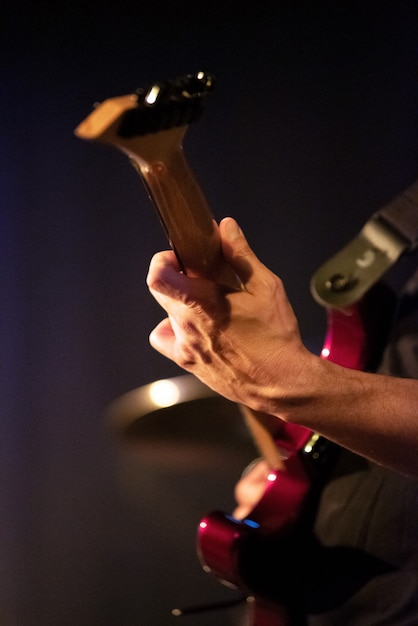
(242, 344)
(250, 488)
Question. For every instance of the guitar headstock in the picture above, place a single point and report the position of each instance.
(149, 126)
(151, 108)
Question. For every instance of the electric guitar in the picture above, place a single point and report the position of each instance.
(149, 127)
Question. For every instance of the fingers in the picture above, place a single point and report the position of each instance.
(165, 275)
(163, 270)
(166, 280)
(165, 339)
(162, 338)
(237, 251)
(250, 488)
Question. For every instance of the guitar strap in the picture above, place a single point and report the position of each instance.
(401, 215)
(391, 232)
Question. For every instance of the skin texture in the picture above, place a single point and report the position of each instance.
(246, 346)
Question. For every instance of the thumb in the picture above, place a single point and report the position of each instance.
(236, 249)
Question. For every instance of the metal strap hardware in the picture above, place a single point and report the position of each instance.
(389, 233)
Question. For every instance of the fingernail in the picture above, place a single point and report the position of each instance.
(233, 230)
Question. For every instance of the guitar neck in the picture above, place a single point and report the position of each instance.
(183, 211)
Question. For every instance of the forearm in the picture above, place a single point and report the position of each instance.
(373, 415)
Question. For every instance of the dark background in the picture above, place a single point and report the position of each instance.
(312, 127)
